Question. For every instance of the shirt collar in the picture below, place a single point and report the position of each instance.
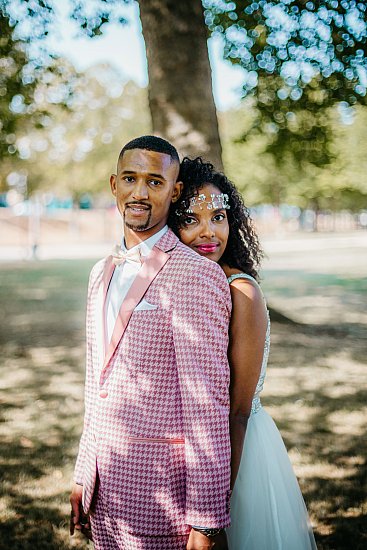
(147, 245)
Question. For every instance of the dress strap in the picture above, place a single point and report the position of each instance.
(249, 278)
(241, 276)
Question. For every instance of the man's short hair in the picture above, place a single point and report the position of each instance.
(152, 143)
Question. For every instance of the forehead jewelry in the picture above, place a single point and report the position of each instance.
(218, 201)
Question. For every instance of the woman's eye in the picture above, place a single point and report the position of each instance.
(219, 217)
(188, 220)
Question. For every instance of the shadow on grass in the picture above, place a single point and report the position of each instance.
(41, 427)
(34, 491)
(313, 391)
(33, 526)
(334, 487)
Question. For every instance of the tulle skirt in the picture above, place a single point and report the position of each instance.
(267, 507)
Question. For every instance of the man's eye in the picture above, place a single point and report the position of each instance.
(154, 183)
(128, 179)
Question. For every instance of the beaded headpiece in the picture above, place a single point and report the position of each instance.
(217, 202)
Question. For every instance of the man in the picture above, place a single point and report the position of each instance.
(153, 467)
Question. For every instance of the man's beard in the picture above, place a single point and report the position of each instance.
(142, 227)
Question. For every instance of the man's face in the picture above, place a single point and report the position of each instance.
(144, 187)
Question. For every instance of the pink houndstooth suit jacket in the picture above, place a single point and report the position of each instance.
(156, 400)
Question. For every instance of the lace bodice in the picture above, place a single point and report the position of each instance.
(256, 404)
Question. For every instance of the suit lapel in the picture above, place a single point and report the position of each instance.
(150, 269)
(107, 276)
(99, 309)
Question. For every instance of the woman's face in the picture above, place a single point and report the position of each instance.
(206, 228)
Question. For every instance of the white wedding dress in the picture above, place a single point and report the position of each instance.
(267, 507)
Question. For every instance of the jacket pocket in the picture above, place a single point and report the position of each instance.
(143, 305)
(169, 440)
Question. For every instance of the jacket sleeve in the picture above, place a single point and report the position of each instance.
(90, 386)
(200, 330)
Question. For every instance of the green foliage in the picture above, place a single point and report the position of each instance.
(262, 179)
(300, 57)
(298, 40)
(74, 151)
(16, 94)
(34, 18)
(91, 16)
(31, 88)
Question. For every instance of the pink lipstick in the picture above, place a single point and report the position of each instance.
(207, 248)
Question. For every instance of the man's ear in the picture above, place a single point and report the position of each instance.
(177, 190)
(113, 184)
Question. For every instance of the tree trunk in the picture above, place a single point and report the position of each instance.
(180, 84)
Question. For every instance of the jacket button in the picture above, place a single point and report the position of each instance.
(103, 393)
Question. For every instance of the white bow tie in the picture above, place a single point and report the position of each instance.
(119, 256)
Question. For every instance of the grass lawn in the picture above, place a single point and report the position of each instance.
(314, 390)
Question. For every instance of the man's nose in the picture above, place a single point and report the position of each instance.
(140, 191)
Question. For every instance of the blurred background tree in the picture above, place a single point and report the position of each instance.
(72, 153)
(301, 60)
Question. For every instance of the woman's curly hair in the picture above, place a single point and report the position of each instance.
(243, 249)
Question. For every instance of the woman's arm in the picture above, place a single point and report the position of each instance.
(246, 349)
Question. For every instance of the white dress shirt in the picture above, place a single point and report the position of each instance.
(123, 277)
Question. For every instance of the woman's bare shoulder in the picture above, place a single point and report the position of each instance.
(243, 288)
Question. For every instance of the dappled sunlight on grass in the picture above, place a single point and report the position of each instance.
(324, 470)
(317, 298)
(345, 422)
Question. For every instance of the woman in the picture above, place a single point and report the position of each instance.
(267, 508)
